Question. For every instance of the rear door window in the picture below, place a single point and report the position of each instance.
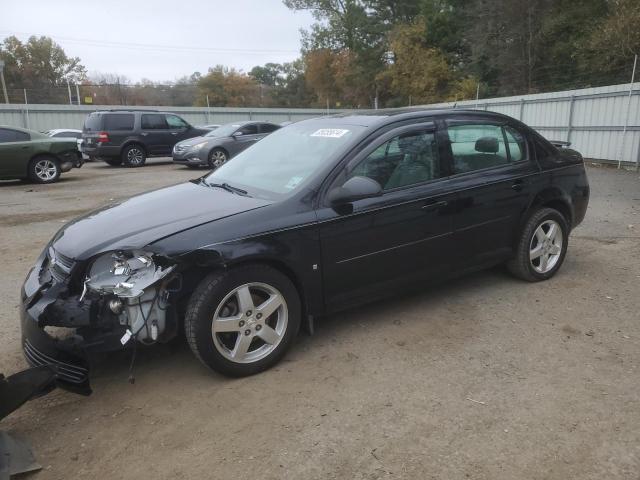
(175, 122)
(517, 144)
(477, 146)
(118, 121)
(154, 121)
(268, 127)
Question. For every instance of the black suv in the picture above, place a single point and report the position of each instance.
(128, 137)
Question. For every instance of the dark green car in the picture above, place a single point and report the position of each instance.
(32, 155)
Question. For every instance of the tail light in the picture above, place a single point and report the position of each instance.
(103, 137)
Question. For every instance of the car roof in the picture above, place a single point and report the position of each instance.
(368, 118)
(20, 129)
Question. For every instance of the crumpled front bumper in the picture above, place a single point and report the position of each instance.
(67, 357)
(48, 303)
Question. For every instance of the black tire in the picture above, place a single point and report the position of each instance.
(217, 157)
(113, 161)
(133, 156)
(525, 268)
(207, 299)
(44, 169)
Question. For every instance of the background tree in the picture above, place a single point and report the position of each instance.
(39, 65)
(614, 41)
(228, 87)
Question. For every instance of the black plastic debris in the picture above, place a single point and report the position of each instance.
(16, 457)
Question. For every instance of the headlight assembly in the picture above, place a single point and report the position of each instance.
(197, 146)
(125, 273)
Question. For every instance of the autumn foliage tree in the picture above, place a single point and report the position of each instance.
(228, 87)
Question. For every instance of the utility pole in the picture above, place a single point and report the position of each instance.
(626, 120)
(477, 94)
(69, 91)
(26, 108)
(78, 93)
(4, 85)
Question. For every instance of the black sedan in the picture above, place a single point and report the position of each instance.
(320, 215)
(216, 147)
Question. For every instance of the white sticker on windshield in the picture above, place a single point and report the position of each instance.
(330, 132)
(293, 182)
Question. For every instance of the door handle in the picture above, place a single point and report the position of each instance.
(174, 133)
(518, 185)
(144, 134)
(435, 205)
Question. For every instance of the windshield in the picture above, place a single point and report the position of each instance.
(284, 160)
(224, 130)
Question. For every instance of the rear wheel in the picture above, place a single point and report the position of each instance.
(133, 156)
(542, 246)
(217, 158)
(242, 321)
(44, 169)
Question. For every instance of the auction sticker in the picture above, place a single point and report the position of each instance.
(330, 133)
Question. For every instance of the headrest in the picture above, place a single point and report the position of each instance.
(487, 145)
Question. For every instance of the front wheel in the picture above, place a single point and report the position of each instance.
(133, 156)
(217, 158)
(44, 170)
(542, 246)
(242, 321)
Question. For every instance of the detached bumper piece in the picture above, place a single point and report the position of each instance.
(76, 376)
(68, 362)
(15, 456)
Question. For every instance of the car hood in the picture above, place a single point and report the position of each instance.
(195, 140)
(146, 218)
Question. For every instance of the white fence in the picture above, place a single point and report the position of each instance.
(602, 123)
(47, 117)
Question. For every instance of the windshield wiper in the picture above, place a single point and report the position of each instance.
(228, 188)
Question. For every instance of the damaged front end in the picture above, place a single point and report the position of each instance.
(73, 309)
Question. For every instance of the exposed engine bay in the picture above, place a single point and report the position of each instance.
(137, 297)
(116, 300)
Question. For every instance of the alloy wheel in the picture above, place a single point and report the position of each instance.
(249, 323)
(218, 158)
(135, 156)
(546, 246)
(46, 170)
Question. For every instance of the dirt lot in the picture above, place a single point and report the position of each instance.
(484, 378)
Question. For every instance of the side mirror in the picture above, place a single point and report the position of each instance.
(356, 188)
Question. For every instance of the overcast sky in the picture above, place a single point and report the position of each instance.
(161, 39)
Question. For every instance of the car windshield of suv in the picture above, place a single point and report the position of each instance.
(285, 160)
(224, 130)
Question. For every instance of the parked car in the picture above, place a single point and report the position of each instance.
(35, 156)
(223, 143)
(69, 133)
(128, 137)
(324, 214)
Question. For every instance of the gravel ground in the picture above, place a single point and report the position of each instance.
(485, 377)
